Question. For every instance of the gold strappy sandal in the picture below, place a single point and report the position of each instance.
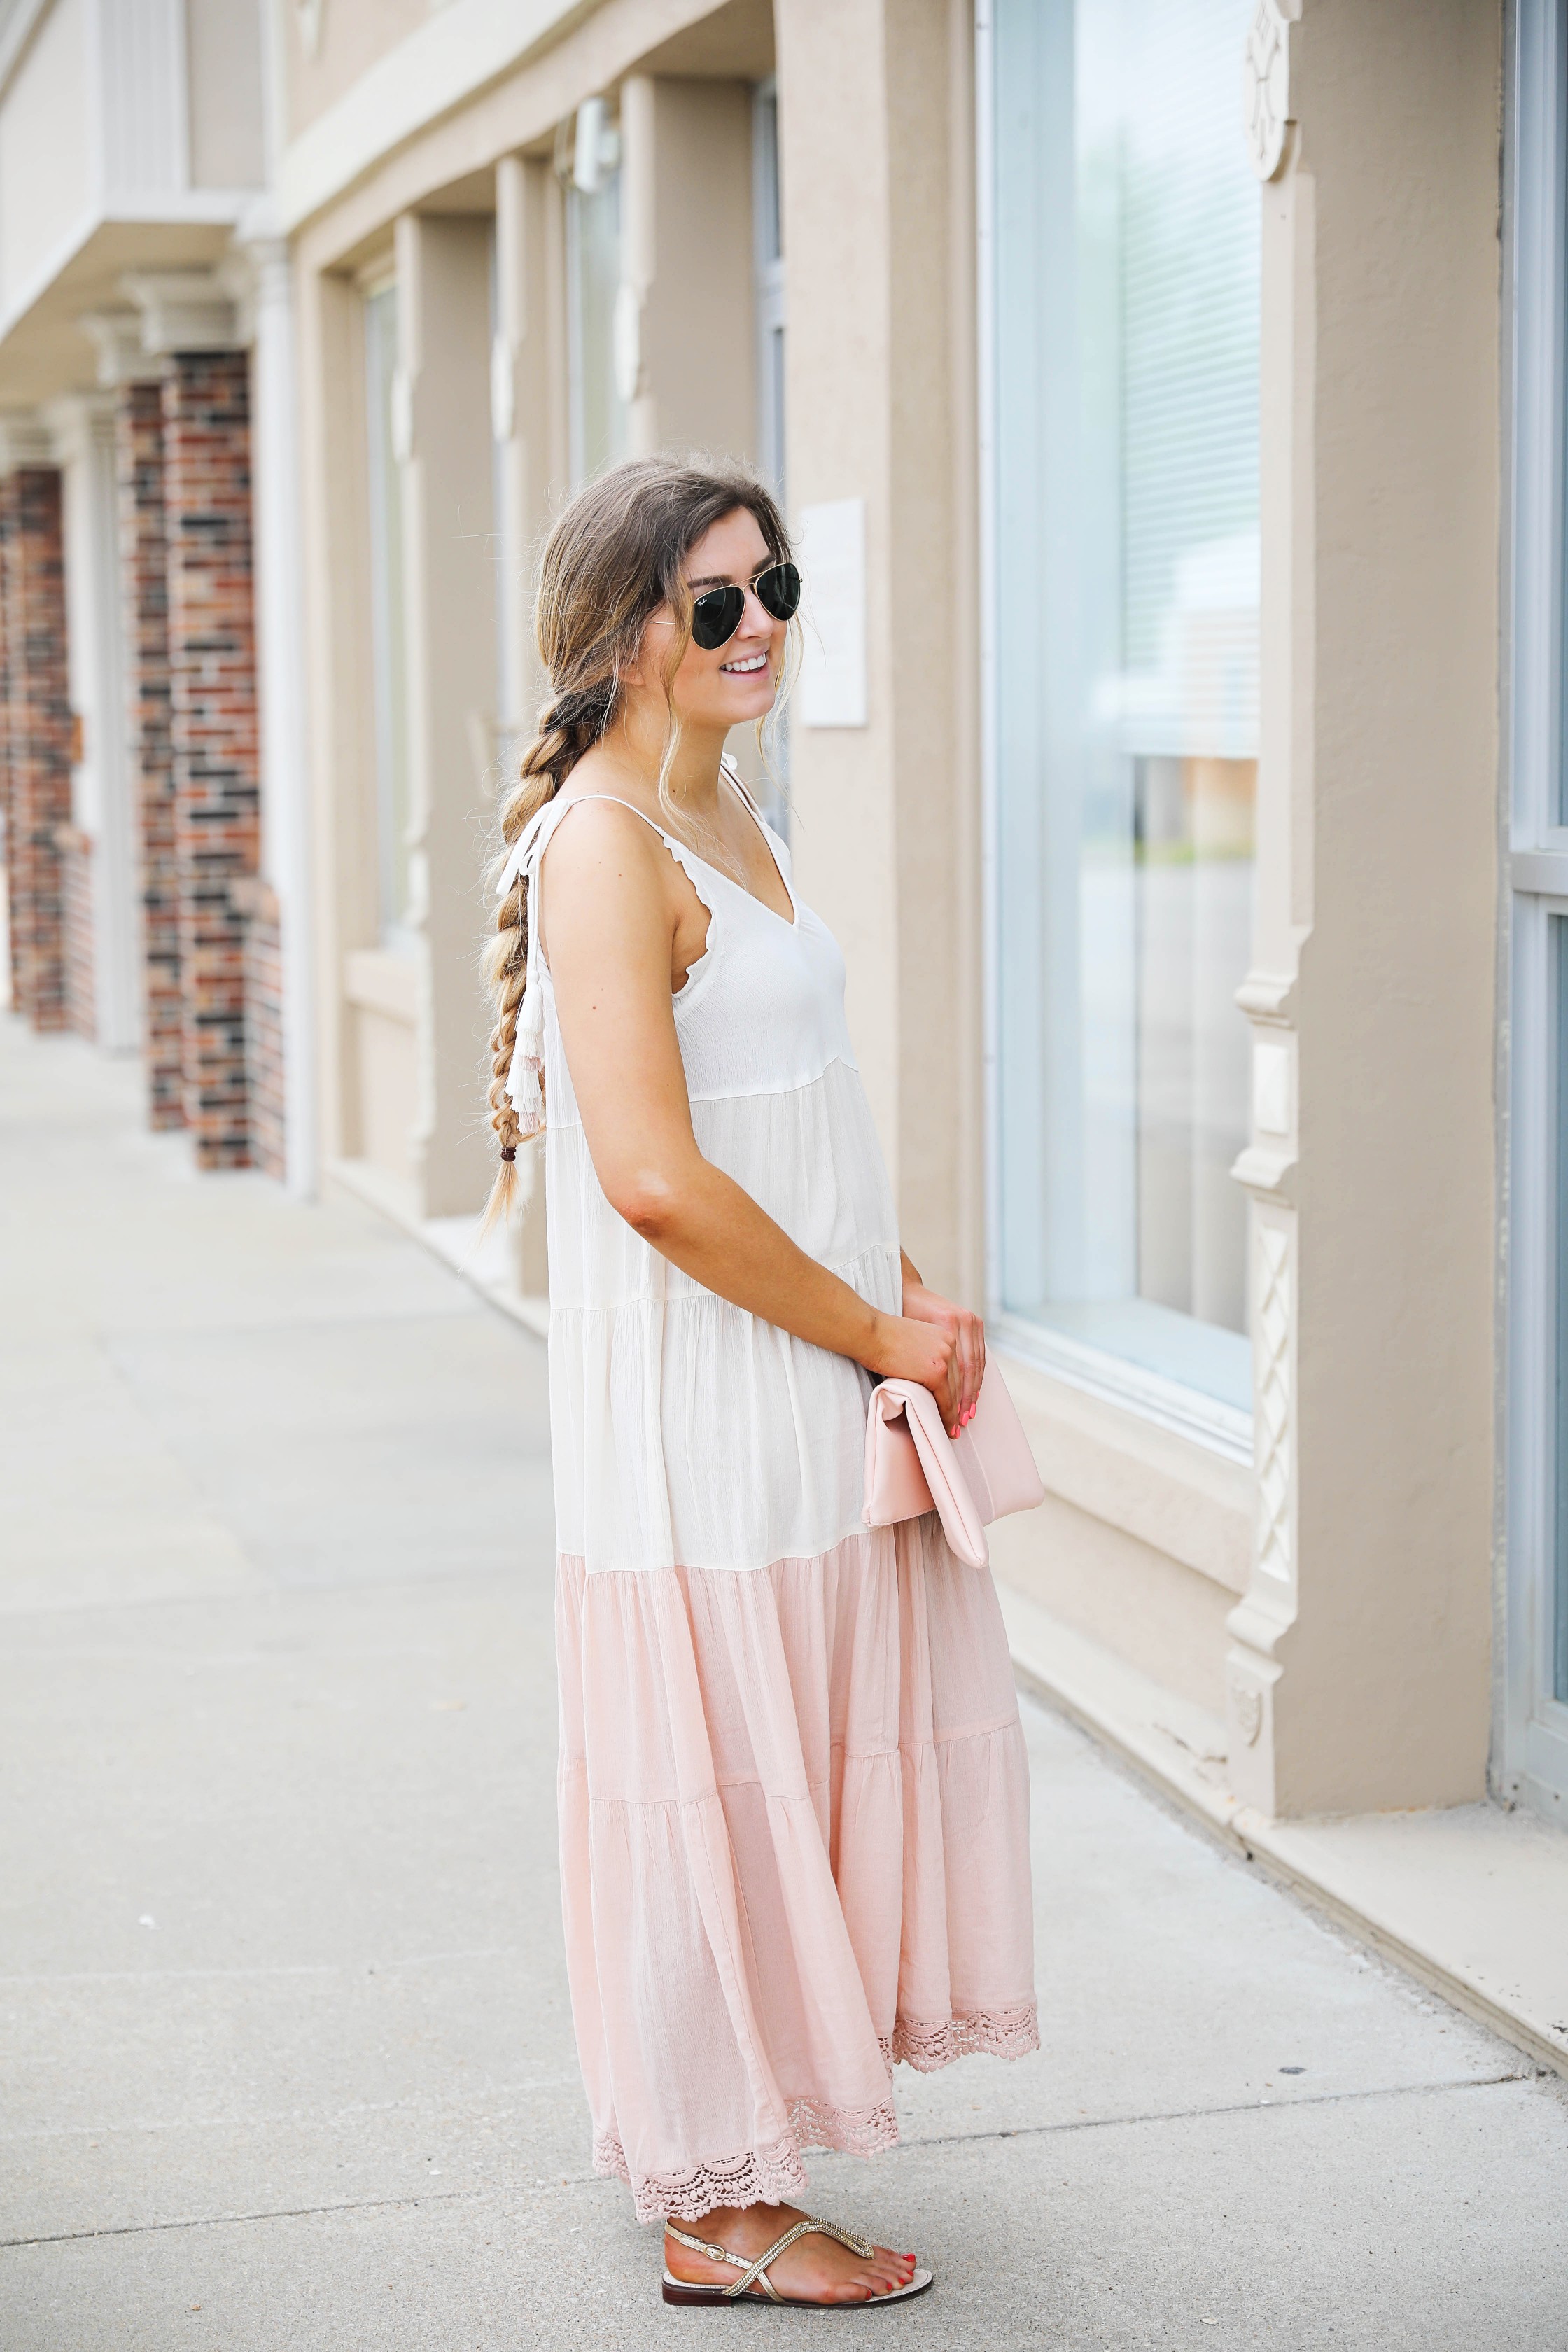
(756, 2274)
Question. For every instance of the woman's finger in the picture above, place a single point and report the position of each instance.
(972, 1354)
(952, 1397)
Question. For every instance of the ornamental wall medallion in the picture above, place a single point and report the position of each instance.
(1248, 1703)
(1266, 87)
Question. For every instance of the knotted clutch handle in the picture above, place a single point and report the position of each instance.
(913, 1465)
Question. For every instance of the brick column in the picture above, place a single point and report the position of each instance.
(144, 591)
(78, 929)
(38, 730)
(264, 1054)
(212, 674)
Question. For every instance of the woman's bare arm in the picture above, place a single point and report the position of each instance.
(610, 912)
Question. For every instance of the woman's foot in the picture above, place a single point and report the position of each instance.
(814, 2269)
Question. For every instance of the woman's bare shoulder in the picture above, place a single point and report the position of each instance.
(602, 853)
(591, 822)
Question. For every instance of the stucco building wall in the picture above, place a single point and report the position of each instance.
(1320, 1611)
(1359, 1675)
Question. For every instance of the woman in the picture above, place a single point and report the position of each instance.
(793, 1793)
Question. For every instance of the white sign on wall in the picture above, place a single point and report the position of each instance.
(832, 553)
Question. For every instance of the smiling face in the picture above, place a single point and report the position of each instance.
(734, 683)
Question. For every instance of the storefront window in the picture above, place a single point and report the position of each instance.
(1123, 427)
(1556, 1676)
(383, 383)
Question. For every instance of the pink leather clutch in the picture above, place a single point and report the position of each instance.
(913, 1466)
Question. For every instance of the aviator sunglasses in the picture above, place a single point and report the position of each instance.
(717, 613)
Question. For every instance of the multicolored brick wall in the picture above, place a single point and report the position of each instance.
(144, 612)
(211, 675)
(38, 739)
(212, 945)
(75, 897)
(264, 1025)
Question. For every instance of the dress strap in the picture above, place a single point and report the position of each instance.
(733, 776)
(650, 822)
(525, 1074)
(770, 841)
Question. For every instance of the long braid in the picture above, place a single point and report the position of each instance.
(568, 727)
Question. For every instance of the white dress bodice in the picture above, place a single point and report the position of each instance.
(685, 1432)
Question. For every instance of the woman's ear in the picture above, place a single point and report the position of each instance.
(631, 671)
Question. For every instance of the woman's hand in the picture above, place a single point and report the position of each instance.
(964, 1337)
(906, 1347)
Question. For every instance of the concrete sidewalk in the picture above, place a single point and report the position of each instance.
(286, 2054)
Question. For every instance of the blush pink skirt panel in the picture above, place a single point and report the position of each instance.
(795, 1849)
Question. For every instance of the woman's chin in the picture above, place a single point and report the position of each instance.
(747, 701)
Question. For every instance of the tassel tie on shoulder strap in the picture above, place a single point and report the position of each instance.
(528, 1058)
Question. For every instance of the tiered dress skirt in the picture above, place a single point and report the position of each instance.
(793, 1791)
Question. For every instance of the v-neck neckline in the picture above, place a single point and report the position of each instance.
(790, 921)
(676, 842)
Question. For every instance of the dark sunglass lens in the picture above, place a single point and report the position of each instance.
(778, 591)
(716, 616)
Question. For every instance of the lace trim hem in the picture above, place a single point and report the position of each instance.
(769, 2174)
(774, 2175)
(762, 2176)
(998, 2032)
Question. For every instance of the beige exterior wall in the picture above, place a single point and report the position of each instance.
(879, 354)
(45, 168)
(1366, 1629)
(444, 308)
(686, 194)
(402, 1066)
(224, 81)
(1331, 1620)
(347, 42)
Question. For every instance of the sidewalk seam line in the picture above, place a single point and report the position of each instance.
(955, 2139)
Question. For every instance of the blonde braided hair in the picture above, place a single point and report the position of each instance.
(612, 560)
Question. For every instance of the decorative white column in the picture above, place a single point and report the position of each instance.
(1262, 1622)
(443, 428)
(685, 337)
(286, 862)
(528, 419)
(81, 429)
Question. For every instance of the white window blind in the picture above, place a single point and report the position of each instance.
(1125, 524)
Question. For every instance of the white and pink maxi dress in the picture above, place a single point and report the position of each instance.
(793, 1790)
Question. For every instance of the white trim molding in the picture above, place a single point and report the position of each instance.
(116, 337)
(183, 309)
(438, 68)
(1265, 114)
(24, 440)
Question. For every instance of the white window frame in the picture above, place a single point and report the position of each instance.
(394, 932)
(769, 272)
(1532, 1743)
(1224, 1428)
